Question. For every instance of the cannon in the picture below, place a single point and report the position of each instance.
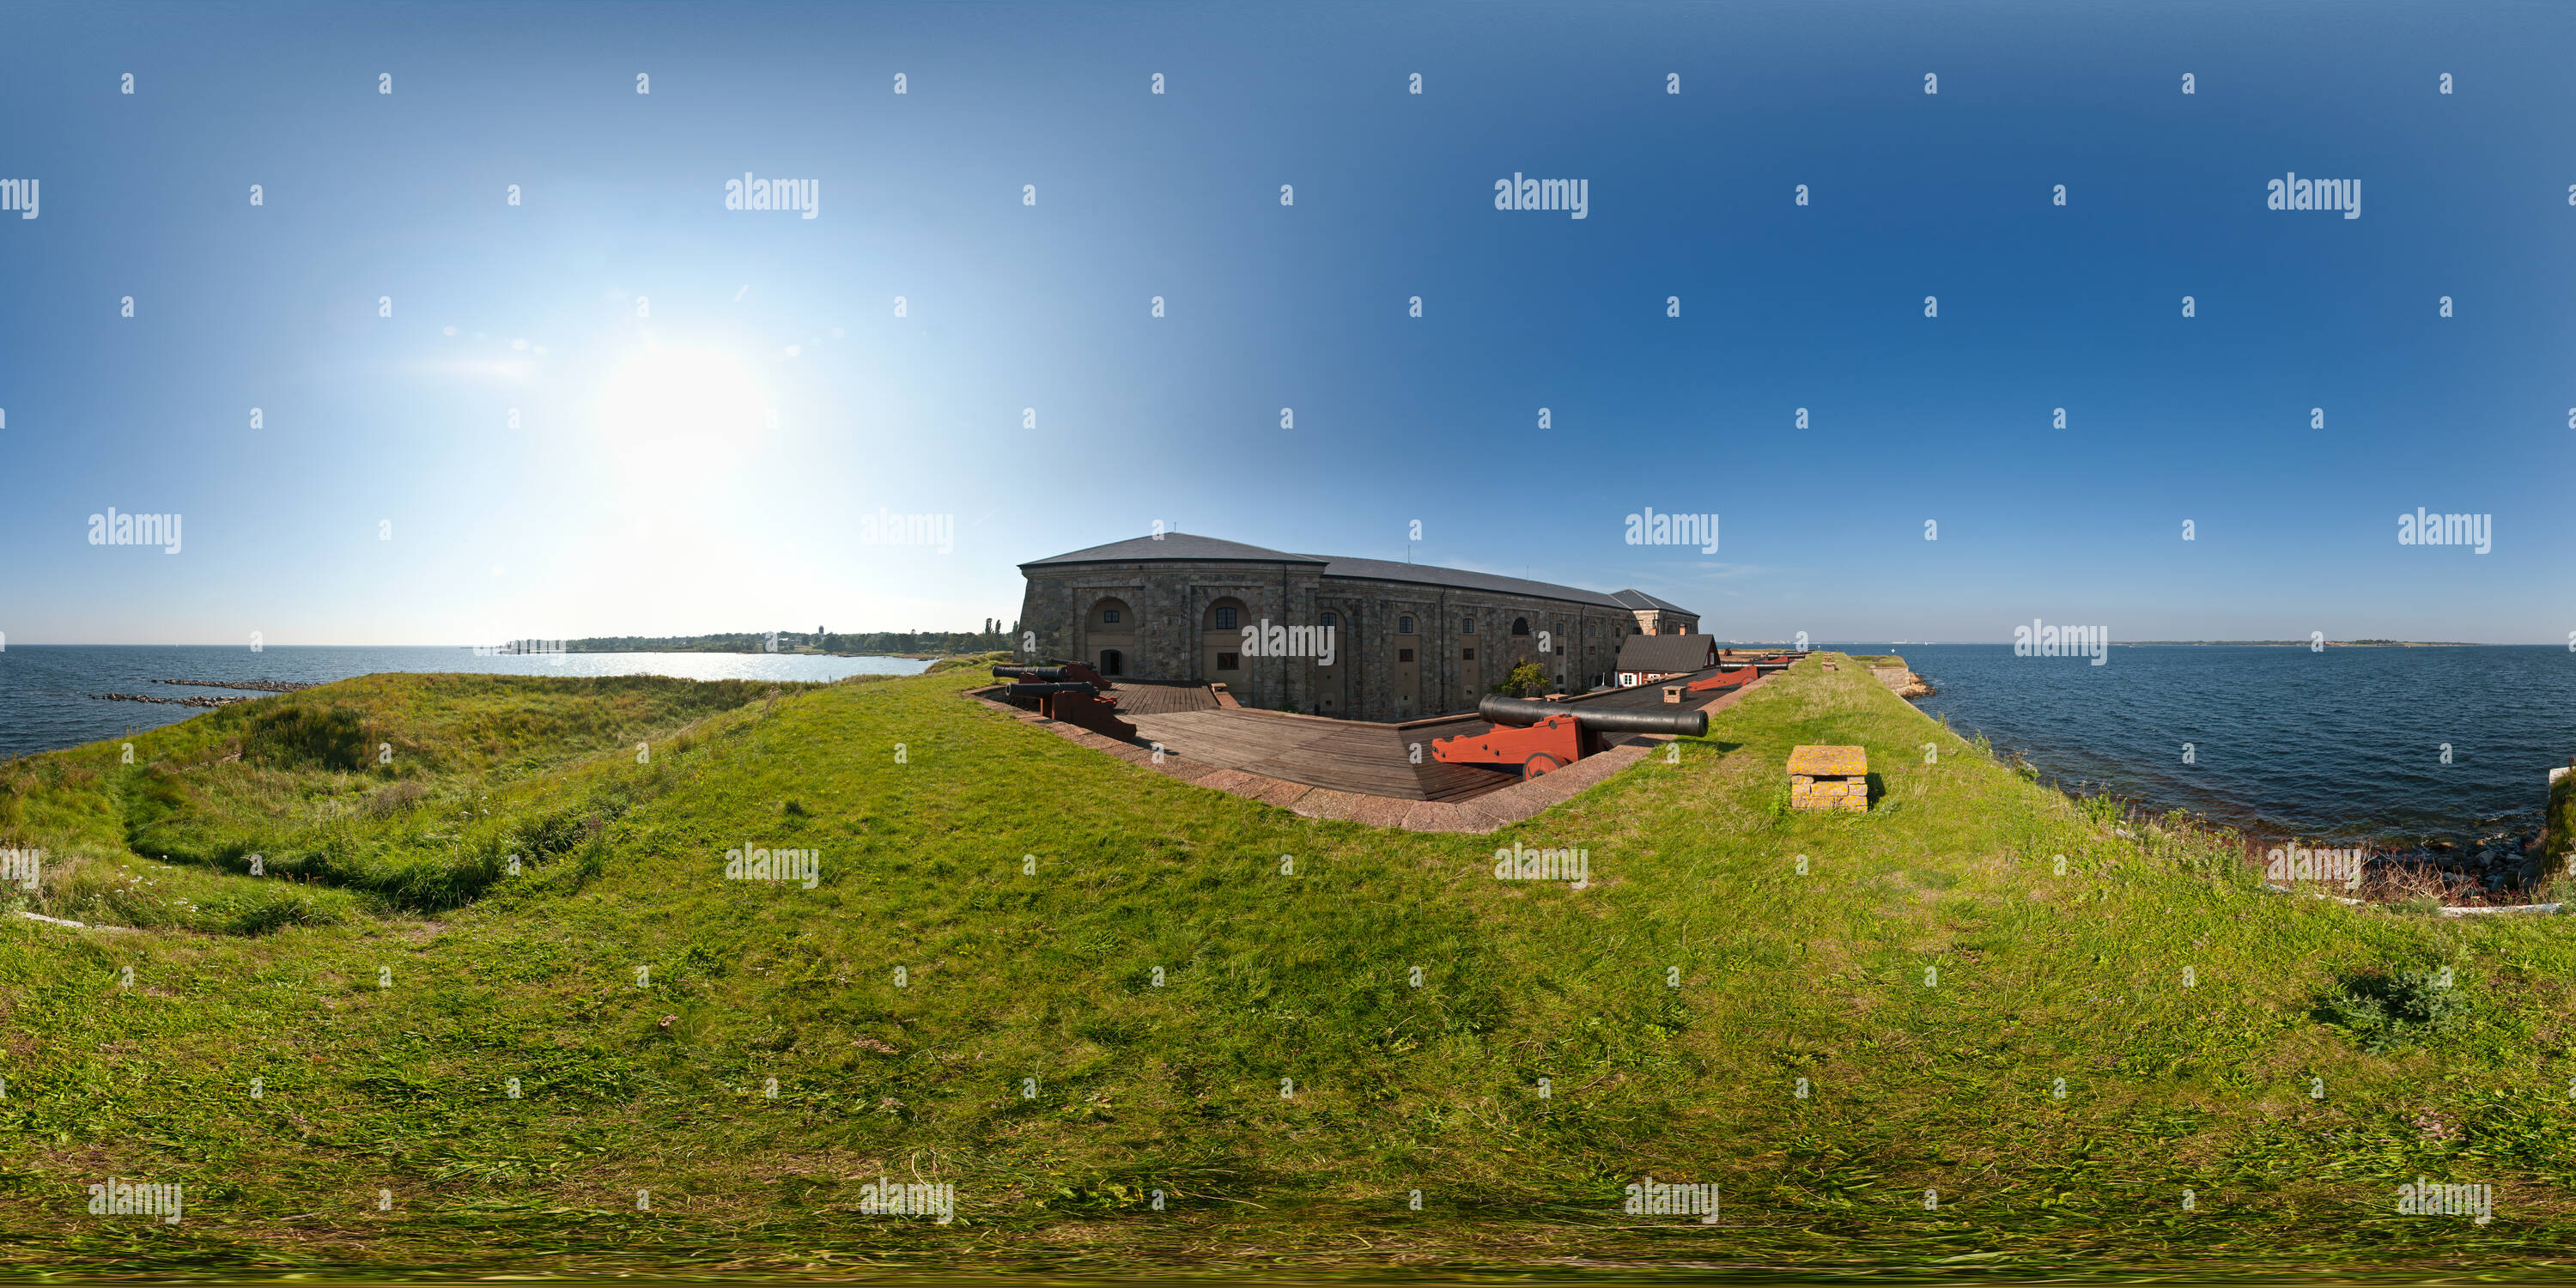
(1053, 674)
(1723, 680)
(1542, 737)
(1074, 703)
(1032, 696)
(1045, 689)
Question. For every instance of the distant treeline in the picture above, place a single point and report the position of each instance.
(870, 643)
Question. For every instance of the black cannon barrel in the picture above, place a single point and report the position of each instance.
(1046, 673)
(1043, 690)
(1501, 710)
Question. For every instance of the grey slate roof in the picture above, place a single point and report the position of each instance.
(1458, 579)
(1191, 547)
(1671, 654)
(1640, 599)
(1173, 545)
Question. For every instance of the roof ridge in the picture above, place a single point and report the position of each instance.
(1177, 546)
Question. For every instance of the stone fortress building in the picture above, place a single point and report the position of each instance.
(1405, 640)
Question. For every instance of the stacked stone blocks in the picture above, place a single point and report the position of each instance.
(1822, 777)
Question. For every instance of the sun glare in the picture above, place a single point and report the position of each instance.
(677, 419)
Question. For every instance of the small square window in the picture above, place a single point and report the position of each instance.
(1109, 617)
(1229, 661)
(1404, 655)
(1332, 619)
(1225, 619)
(1468, 656)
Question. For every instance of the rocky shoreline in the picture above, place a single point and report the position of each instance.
(2499, 868)
(176, 702)
(1902, 682)
(264, 686)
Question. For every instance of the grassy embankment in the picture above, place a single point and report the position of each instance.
(1931, 975)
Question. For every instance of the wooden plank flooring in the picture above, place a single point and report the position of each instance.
(1349, 755)
(1341, 755)
(1148, 697)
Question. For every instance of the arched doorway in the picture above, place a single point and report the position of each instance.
(1109, 635)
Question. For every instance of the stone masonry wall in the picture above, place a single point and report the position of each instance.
(1170, 601)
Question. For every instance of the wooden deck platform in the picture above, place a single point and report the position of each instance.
(1157, 697)
(1359, 771)
(1363, 757)
(1341, 755)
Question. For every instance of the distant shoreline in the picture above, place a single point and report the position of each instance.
(744, 652)
(2240, 644)
(2310, 643)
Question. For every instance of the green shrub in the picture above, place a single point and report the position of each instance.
(2383, 1011)
(544, 838)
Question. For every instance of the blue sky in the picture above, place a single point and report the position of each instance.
(646, 488)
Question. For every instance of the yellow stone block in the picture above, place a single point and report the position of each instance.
(1822, 777)
(1834, 762)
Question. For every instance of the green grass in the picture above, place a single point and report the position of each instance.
(1932, 976)
(981, 664)
(390, 793)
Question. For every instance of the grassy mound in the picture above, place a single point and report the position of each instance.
(981, 664)
(1133, 1021)
(410, 792)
